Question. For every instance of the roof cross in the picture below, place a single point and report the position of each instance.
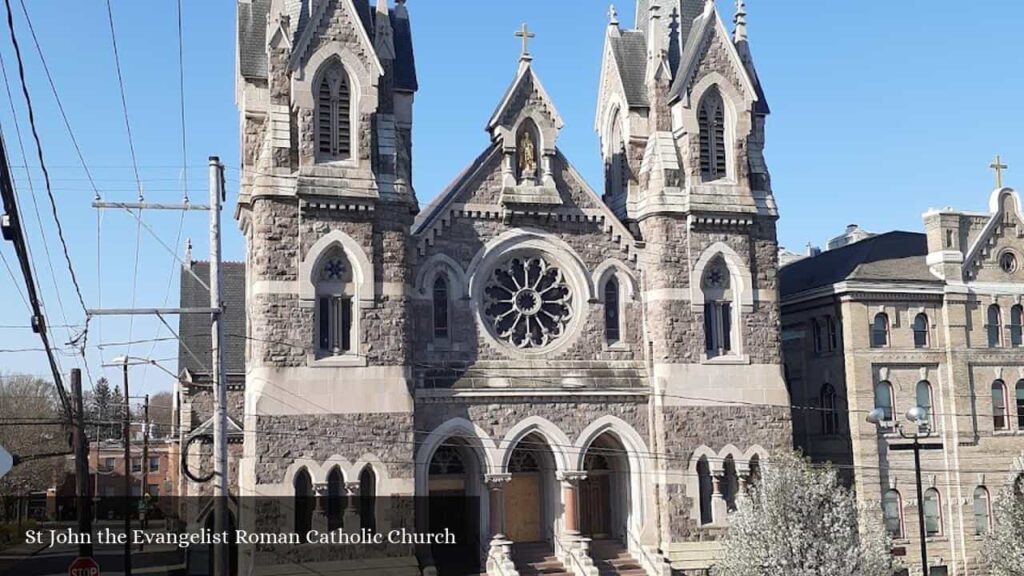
(525, 34)
(998, 166)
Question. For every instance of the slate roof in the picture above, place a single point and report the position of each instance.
(194, 329)
(630, 52)
(252, 38)
(890, 257)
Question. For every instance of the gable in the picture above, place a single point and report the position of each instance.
(525, 94)
(335, 21)
(710, 50)
(1002, 234)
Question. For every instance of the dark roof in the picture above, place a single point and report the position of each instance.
(252, 38)
(890, 257)
(630, 51)
(194, 329)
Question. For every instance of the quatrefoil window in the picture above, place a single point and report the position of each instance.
(527, 302)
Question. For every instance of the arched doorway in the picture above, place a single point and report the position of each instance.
(454, 488)
(531, 497)
(605, 494)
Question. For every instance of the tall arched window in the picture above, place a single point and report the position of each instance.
(333, 112)
(1019, 394)
(718, 309)
(921, 331)
(1017, 326)
(924, 400)
(617, 162)
(755, 471)
(303, 502)
(994, 326)
(892, 510)
(1000, 418)
(334, 289)
(884, 400)
(335, 499)
(982, 511)
(440, 308)
(829, 411)
(730, 483)
(932, 512)
(612, 328)
(880, 331)
(713, 149)
(368, 499)
(705, 490)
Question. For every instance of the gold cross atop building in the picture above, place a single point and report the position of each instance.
(525, 34)
(998, 166)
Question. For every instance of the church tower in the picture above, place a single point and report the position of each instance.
(325, 89)
(681, 116)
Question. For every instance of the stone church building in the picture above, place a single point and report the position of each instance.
(598, 370)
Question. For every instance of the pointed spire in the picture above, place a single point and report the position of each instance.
(384, 41)
(740, 22)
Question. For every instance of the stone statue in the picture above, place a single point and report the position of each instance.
(527, 157)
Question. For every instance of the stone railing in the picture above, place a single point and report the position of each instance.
(499, 559)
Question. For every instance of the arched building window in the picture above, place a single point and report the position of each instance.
(334, 311)
(1000, 417)
(335, 499)
(829, 411)
(1019, 394)
(994, 326)
(892, 510)
(612, 326)
(618, 162)
(1017, 326)
(884, 400)
(880, 331)
(924, 400)
(730, 483)
(440, 308)
(718, 309)
(304, 502)
(368, 499)
(713, 149)
(932, 512)
(921, 331)
(705, 488)
(982, 511)
(333, 112)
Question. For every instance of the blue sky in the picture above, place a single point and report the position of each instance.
(881, 110)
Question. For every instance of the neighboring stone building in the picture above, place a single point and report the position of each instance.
(600, 365)
(904, 319)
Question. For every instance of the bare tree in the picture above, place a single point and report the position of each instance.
(1004, 546)
(797, 520)
(25, 399)
(160, 414)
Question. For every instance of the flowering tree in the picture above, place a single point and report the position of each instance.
(799, 521)
(1004, 547)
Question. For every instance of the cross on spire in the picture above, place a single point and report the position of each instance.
(526, 35)
(998, 166)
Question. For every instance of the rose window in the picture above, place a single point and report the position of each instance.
(527, 302)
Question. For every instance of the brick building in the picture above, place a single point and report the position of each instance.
(599, 368)
(908, 319)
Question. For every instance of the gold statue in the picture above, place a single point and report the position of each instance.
(527, 157)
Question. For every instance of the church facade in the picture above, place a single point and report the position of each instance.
(600, 371)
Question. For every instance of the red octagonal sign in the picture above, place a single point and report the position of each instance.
(84, 567)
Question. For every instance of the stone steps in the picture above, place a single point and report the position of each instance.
(537, 560)
(613, 559)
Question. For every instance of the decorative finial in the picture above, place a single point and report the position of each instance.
(188, 252)
(526, 35)
(998, 166)
(740, 21)
(613, 16)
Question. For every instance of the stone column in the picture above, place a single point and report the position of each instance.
(350, 521)
(320, 511)
(570, 489)
(743, 476)
(719, 507)
(496, 488)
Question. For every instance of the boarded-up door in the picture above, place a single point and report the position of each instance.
(522, 508)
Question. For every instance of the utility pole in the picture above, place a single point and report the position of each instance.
(126, 433)
(81, 447)
(145, 462)
(220, 395)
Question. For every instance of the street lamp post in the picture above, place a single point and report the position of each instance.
(918, 416)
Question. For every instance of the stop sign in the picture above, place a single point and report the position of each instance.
(84, 566)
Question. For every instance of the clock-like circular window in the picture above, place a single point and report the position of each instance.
(1008, 262)
(527, 302)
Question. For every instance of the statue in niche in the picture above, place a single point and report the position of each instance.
(527, 158)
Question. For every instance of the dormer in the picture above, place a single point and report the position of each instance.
(525, 126)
